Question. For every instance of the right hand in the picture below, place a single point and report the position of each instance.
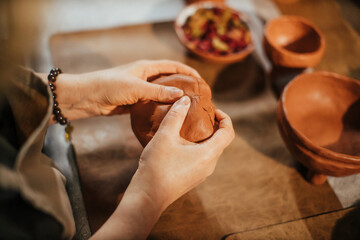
(170, 166)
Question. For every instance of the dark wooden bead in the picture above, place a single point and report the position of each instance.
(58, 70)
(51, 77)
(59, 117)
(54, 72)
(52, 86)
(63, 121)
(57, 111)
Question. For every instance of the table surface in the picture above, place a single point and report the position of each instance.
(257, 190)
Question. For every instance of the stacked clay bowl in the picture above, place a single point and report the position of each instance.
(319, 120)
(294, 42)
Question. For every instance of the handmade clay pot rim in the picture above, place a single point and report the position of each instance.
(301, 146)
(189, 10)
(301, 138)
(322, 163)
(318, 165)
(284, 51)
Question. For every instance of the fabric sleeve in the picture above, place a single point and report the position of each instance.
(33, 200)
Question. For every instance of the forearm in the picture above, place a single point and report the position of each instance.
(134, 217)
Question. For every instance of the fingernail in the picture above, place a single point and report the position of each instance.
(185, 100)
(176, 93)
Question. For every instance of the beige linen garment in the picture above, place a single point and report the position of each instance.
(34, 175)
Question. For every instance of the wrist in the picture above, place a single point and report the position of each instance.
(145, 185)
(74, 95)
(134, 217)
(72, 102)
(138, 207)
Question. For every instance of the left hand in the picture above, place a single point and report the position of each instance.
(112, 91)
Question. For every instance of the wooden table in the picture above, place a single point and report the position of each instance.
(257, 190)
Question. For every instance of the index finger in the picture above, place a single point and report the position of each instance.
(168, 67)
(224, 135)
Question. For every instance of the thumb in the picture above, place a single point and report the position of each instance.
(159, 93)
(174, 119)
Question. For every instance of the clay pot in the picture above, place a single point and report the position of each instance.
(199, 123)
(191, 9)
(292, 41)
(319, 120)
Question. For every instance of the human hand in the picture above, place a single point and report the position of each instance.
(111, 91)
(170, 166)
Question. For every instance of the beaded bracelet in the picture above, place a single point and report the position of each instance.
(58, 116)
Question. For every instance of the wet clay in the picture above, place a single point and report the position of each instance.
(292, 41)
(319, 118)
(200, 121)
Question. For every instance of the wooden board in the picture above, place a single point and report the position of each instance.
(256, 183)
(324, 226)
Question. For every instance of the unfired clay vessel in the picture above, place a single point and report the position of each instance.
(200, 121)
(292, 41)
(319, 119)
(191, 9)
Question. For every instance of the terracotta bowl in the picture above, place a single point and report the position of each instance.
(319, 120)
(292, 41)
(191, 9)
